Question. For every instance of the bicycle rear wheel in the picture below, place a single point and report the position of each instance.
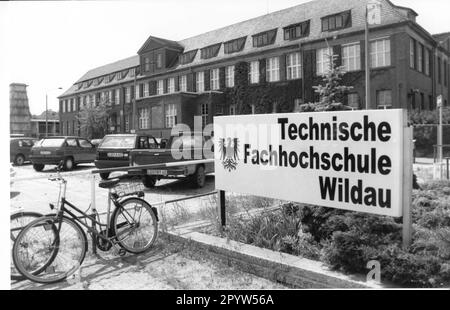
(43, 256)
(134, 225)
(17, 222)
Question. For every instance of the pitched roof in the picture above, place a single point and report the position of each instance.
(441, 36)
(313, 11)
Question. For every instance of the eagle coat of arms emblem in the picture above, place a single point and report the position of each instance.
(229, 153)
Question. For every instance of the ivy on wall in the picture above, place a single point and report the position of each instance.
(263, 96)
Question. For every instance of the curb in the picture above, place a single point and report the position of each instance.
(291, 270)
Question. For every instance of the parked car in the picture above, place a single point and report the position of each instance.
(71, 150)
(114, 150)
(194, 172)
(96, 142)
(19, 149)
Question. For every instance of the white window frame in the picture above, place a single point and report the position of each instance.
(254, 72)
(294, 66)
(160, 87)
(117, 101)
(229, 76)
(204, 113)
(146, 89)
(137, 91)
(214, 79)
(200, 82)
(351, 97)
(170, 115)
(183, 83)
(420, 48)
(273, 69)
(380, 47)
(382, 96)
(323, 56)
(128, 94)
(170, 85)
(351, 57)
(427, 61)
(144, 118)
(412, 56)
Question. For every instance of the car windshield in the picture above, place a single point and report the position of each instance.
(51, 142)
(118, 142)
(188, 141)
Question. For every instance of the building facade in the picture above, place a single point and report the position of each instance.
(268, 64)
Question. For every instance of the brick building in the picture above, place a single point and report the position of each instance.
(267, 64)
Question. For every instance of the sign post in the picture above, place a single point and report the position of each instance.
(407, 186)
(439, 136)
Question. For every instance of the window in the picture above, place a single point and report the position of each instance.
(351, 57)
(85, 144)
(229, 76)
(412, 53)
(111, 96)
(422, 101)
(171, 85)
(159, 61)
(210, 51)
(234, 46)
(264, 38)
(353, 100)
(69, 105)
(137, 91)
(171, 115)
(273, 69)
(293, 66)
(445, 72)
(132, 72)
(187, 57)
(71, 142)
(214, 79)
(127, 123)
(200, 81)
(420, 57)
(143, 118)
(117, 96)
(127, 94)
(384, 98)
(296, 31)
(157, 116)
(380, 53)
(183, 83)
(337, 21)
(146, 89)
(160, 87)
(204, 114)
(146, 64)
(63, 104)
(232, 109)
(430, 103)
(439, 64)
(323, 60)
(254, 72)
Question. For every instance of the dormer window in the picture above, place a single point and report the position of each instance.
(187, 57)
(297, 31)
(264, 38)
(111, 77)
(234, 46)
(132, 72)
(210, 51)
(159, 61)
(337, 21)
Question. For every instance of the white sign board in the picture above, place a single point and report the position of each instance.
(439, 101)
(350, 160)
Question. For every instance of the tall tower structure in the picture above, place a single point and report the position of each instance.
(19, 110)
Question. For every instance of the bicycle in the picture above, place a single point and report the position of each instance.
(18, 221)
(43, 256)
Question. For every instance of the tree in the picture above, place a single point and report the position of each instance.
(331, 92)
(93, 120)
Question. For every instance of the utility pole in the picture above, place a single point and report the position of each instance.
(367, 50)
(439, 135)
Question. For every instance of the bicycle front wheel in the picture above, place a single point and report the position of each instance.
(17, 222)
(49, 249)
(134, 225)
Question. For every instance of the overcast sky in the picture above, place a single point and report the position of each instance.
(51, 44)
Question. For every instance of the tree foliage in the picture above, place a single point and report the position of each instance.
(93, 120)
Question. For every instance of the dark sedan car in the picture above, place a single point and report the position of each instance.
(70, 150)
(19, 149)
(114, 150)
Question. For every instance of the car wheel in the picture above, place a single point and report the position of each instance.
(149, 181)
(68, 164)
(104, 175)
(38, 167)
(198, 178)
(19, 160)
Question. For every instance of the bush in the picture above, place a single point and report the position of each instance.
(347, 240)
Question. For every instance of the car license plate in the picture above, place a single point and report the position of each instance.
(45, 152)
(157, 172)
(115, 155)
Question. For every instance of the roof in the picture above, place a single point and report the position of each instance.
(441, 36)
(313, 10)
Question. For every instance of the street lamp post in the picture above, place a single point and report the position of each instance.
(46, 111)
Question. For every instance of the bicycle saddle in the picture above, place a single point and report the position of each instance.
(108, 183)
